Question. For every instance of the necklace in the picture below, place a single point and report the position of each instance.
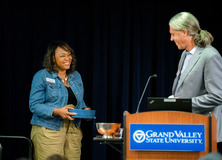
(64, 80)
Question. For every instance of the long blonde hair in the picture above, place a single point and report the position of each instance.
(187, 21)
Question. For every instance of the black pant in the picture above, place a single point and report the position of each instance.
(219, 147)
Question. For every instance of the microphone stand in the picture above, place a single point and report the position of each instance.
(137, 111)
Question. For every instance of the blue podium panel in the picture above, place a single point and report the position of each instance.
(167, 137)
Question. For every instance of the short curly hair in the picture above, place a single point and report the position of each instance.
(49, 59)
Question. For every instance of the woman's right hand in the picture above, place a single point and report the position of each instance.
(64, 113)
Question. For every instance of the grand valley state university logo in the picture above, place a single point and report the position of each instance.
(167, 137)
(139, 136)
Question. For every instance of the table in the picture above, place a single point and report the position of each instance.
(111, 142)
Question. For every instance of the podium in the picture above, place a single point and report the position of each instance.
(168, 135)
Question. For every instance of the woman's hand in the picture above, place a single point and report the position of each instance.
(64, 113)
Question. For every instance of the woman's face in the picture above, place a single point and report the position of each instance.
(63, 59)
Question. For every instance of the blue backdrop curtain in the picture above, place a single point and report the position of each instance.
(118, 45)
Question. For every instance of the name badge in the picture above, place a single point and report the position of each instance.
(50, 80)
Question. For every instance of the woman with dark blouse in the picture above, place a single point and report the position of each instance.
(55, 89)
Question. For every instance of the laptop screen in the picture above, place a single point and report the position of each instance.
(169, 104)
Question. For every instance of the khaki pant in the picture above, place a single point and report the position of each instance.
(66, 142)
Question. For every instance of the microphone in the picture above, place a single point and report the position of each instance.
(148, 80)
